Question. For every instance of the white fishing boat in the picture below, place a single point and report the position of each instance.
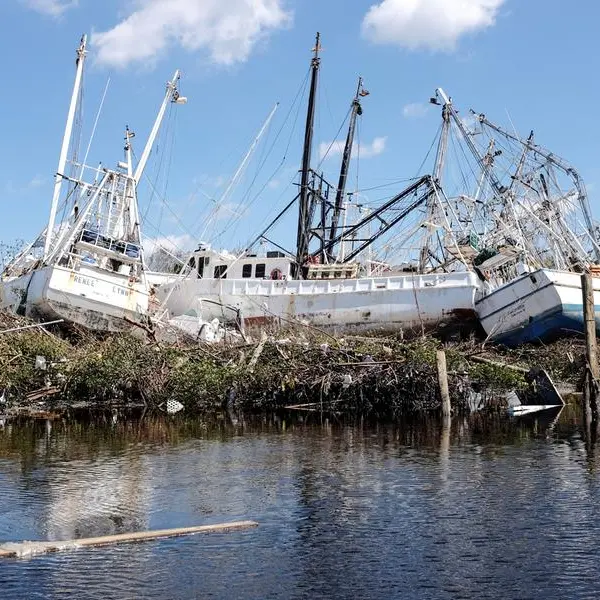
(89, 268)
(541, 305)
(533, 284)
(331, 279)
(261, 293)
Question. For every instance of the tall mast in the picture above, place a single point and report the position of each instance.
(302, 241)
(356, 110)
(438, 170)
(171, 95)
(62, 161)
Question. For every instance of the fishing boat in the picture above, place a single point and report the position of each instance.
(332, 280)
(88, 269)
(540, 238)
(538, 306)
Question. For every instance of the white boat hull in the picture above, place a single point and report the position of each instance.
(538, 306)
(386, 303)
(91, 297)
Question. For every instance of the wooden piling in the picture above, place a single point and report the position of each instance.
(589, 319)
(442, 371)
(13, 550)
(590, 396)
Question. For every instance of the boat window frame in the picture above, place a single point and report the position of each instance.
(263, 268)
(220, 272)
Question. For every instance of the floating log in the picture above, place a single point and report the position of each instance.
(21, 549)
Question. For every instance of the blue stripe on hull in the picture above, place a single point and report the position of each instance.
(567, 319)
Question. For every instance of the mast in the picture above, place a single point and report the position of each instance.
(171, 95)
(62, 161)
(302, 241)
(438, 170)
(128, 135)
(356, 110)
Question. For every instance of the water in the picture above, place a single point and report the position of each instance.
(345, 511)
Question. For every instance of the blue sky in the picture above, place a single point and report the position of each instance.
(533, 60)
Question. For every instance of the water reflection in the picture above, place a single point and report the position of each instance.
(471, 508)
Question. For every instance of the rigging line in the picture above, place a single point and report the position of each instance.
(242, 167)
(245, 205)
(154, 184)
(172, 132)
(87, 151)
(299, 96)
(334, 141)
(384, 185)
(506, 149)
(163, 200)
(433, 143)
(283, 159)
(273, 208)
(481, 166)
(455, 146)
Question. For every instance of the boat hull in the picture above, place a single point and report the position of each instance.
(411, 302)
(539, 306)
(91, 297)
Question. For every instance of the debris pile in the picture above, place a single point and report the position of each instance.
(51, 368)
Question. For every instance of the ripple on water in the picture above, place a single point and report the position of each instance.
(343, 512)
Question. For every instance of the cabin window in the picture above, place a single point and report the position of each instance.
(202, 262)
(247, 271)
(220, 272)
(260, 271)
(192, 263)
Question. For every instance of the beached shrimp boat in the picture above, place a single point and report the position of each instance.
(327, 282)
(89, 268)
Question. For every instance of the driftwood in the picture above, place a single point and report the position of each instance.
(18, 550)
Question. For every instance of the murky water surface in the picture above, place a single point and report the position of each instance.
(345, 511)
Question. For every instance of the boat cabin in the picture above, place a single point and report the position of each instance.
(211, 264)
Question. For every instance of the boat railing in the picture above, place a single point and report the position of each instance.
(122, 249)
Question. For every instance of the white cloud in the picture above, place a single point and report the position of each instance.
(226, 29)
(53, 8)
(430, 24)
(415, 110)
(36, 182)
(331, 149)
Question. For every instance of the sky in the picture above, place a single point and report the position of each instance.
(526, 64)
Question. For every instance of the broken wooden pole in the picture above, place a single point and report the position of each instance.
(442, 371)
(16, 550)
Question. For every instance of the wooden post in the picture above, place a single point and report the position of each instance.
(443, 382)
(591, 348)
(589, 320)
